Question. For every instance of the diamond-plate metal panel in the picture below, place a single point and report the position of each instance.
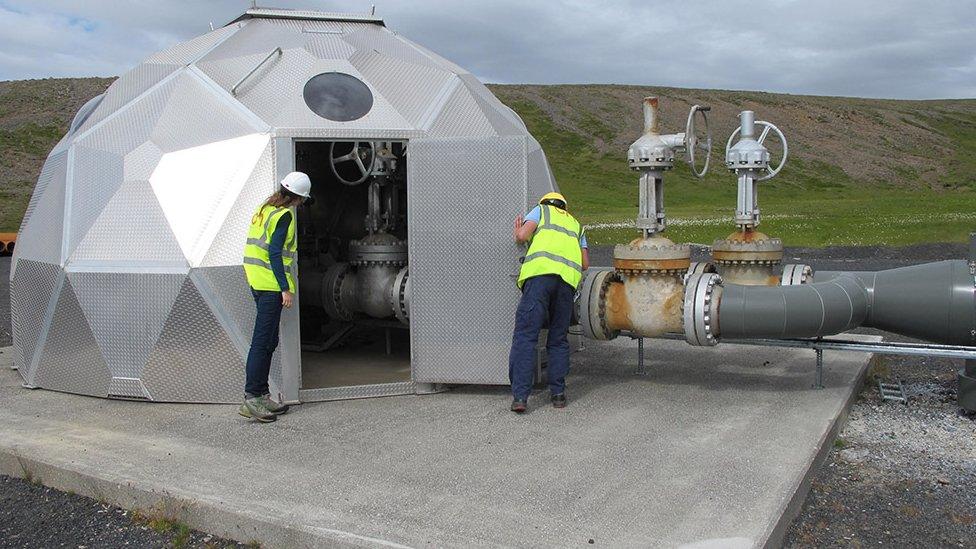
(540, 181)
(97, 176)
(124, 333)
(227, 247)
(384, 41)
(126, 387)
(349, 133)
(443, 62)
(31, 289)
(452, 343)
(505, 120)
(213, 174)
(41, 230)
(70, 358)
(227, 291)
(328, 46)
(128, 87)
(127, 128)
(323, 394)
(194, 116)
(194, 359)
(460, 117)
(257, 37)
(191, 50)
(229, 285)
(149, 241)
(54, 167)
(409, 88)
(140, 163)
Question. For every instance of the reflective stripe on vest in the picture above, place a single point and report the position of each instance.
(257, 261)
(554, 248)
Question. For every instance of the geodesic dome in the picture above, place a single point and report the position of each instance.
(127, 280)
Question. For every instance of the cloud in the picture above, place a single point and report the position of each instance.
(872, 48)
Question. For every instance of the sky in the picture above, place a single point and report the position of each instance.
(903, 49)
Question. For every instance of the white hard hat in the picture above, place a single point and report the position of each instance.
(297, 183)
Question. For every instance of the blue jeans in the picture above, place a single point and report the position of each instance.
(264, 341)
(546, 301)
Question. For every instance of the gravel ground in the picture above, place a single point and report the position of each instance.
(34, 516)
(898, 476)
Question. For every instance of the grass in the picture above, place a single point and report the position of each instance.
(812, 202)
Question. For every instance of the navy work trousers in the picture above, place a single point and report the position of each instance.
(264, 341)
(547, 301)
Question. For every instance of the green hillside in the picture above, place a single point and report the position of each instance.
(861, 171)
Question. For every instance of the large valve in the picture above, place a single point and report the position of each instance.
(362, 156)
(653, 154)
(749, 159)
(760, 161)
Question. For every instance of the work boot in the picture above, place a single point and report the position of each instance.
(519, 406)
(272, 406)
(559, 401)
(253, 408)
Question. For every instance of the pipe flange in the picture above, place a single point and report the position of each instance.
(378, 249)
(678, 273)
(697, 309)
(400, 297)
(795, 274)
(699, 267)
(591, 307)
(748, 262)
(748, 248)
(332, 292)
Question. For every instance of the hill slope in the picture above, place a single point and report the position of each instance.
(860, 170)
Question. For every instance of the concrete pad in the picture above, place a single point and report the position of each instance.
(711, 448)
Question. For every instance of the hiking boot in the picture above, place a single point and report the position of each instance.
(272, 406)
(519, 406)
(559, 401)
(253, 408)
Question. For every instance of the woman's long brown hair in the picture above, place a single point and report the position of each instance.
(281, 198)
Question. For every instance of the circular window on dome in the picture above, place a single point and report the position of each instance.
(338, 96)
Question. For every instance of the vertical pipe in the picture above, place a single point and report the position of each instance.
(747, 119)
(650, 115)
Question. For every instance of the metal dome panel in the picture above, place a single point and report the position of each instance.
(127, 278)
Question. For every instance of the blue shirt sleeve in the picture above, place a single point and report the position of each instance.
(583, 239)
(275, 248)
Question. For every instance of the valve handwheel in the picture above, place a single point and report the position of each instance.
(363, 155)
(692, 142)
(767, 127)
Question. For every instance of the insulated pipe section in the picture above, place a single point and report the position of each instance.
(781, 312)
(934, 301)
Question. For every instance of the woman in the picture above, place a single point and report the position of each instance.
(268, 255)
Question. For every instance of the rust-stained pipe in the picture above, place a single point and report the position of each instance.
(650, 115)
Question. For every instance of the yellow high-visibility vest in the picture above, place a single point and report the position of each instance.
(257, 263)
(554, 248)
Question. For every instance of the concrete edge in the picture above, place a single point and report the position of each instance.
(214, 517)
(792, 508)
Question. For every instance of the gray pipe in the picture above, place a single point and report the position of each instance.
(934, 301)
(809, 310)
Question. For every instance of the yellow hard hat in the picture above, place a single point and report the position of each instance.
(553, 196)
